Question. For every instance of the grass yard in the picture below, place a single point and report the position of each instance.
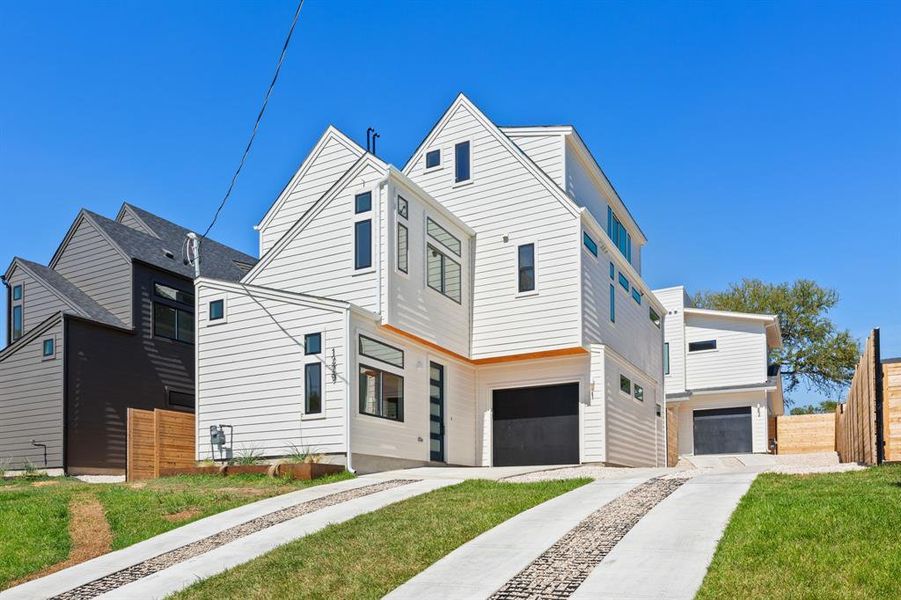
(51, 523)
(813, 536)
(372, 554)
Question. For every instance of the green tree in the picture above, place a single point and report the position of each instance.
(826, 406)
(814, 351)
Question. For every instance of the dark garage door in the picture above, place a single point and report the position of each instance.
(722, 431)
(536, 426)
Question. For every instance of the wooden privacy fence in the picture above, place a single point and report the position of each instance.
(159, 439)
(858, 434)
(891, 408)
(804, 434)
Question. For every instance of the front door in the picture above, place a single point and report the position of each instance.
(436, 412)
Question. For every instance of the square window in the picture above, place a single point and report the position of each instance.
(432, 159)
(17, 292)
(403, 207)
(638, 392)
(625, 384)
(461, 162)
(363, 202)
(49, 347)
(312, 343)
(312, 388)
(217, 310)
(381, 394)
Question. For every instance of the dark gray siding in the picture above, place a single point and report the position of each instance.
(38, 302)
(111, 370)
(31, 401)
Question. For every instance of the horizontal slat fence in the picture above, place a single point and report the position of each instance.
(805, 434)
(159, 439)
(891, 409)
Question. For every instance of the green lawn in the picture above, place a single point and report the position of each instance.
(813, 536)
(372, 554)
(34, 519)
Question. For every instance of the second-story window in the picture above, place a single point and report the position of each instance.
(666, 358)
(619, 235)
(17, 292)
(403, 248)
(17, 322)
(702, 345)
(173, 313)
(655, 318)
(443, 274)
(363, 231)
(589, 244)
(217, 310)
(432, 159)
(525, 257)
(612, 304)
(462, 160)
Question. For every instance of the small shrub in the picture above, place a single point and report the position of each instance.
(248, 456)
(303, 454)
(29, 469)
(4, 466)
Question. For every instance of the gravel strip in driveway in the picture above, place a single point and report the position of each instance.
(168, 559)
(562, 568)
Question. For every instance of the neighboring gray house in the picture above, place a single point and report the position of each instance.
(107, 325)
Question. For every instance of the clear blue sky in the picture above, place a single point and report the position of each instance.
(749, 139)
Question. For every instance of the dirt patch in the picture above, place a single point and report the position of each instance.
(89, 532)
(138, 485)
(182, 515)
(44, 483)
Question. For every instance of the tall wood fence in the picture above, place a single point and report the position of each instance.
(159, 439)
(891, 408)
(858, 434)
(672, 437)
(804, 434)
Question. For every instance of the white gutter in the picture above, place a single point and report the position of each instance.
(348, 353)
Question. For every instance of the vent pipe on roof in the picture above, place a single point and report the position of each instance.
(192, 252)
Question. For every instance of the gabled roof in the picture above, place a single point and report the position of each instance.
(80, 302)
(331, 134)
(216, 260)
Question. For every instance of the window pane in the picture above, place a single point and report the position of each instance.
(381, 351)
(185, 326)
(527, 267)
(639, 392)
(612, 270)
(17, 322)
(402, 248)
(217, 309)
(381, 393)
(590, 243)
(432, 158)
(636, 295)
(363, 202)
(461, 159)
(452, 280)
(369, 390)
(164, 321)
(403, 208)
(313, 388)
(704, 345)
(170, 293)
(625, 384)
(48, 347)
(655, 318)
(624, 281)
(434, 269)
(182, 399)
(443, 274)
(312, 343)
(392, 396)
(17, 292)
(612, 304)
(442, 235)
(363, 244)
(666, 358)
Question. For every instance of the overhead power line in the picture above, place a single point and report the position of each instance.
(256, 125)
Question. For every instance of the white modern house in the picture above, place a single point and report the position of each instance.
(722, 393)
(484, 305)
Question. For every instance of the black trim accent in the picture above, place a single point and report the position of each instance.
(360, 339)
(400, 411)
(702, 346)
(880, 438)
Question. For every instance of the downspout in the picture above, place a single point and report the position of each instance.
(348, 340)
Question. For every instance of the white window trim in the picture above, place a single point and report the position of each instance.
(532, 292)
(440, 165)
(364, 216)
(465, 182)
(448, 255)
(361, 361)
(323, 371)
(224, 319)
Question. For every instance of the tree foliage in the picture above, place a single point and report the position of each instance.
(826, 406)
(814, 351)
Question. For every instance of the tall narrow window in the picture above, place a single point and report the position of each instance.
(17, 322)
(403, 245)
(612, 304)
(363, 244)
(461, 162)
(312, 388)
(666, 358)
(636, 295)
(17, 292)
(590, 244)
(443, 274)
(612, 271)
(526, 267)
(619, 235)
(655, 318)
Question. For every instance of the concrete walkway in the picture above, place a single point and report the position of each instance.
(477, 569)
(176, 577)
(666, 555)
(490, 473)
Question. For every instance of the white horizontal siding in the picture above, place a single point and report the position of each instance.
(547, 151)
(674, 334)
(323, 170)
(250, 373)
(38, 302)
(93, 265)
(319, 260)
(410, 439)
(740, 357)
(31, 403)
(631, 424)
(504, 198)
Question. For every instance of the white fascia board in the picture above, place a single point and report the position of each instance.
(763, 387)
(606, 187)
(668, 289)
(272, 294)
(619, 260)
(728, 314)
(330, 133)
(537, 130)
(398, 177)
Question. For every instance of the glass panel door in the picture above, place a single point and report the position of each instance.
(436, 412)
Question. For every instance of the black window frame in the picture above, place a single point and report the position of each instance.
(221, 304)
(360, 350)
(405, 211)
(52, 353)
(521, 270)
(157, 285)
(361, 404)
(403, 265)
(628, 384)
(178, 312)
(429, 155)
(309, 387)
(306, 343)
(456, 246)
(444, 259)
(170, 392)
(702, 346)
(638, 392)
(458, 163)
(654, 317)
(21, 289)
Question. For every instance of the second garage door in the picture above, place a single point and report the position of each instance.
(536, 425)
(722, 431)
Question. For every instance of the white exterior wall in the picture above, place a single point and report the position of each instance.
(38, 302)
(547, 150)
(530, 373)
(319, 259)
(740, 357)
(505, 198)
(675, 301)
(409, 439)
(411, 304)
(631, 425)
(93, 265)
(250, 371)
(757, 400)
(329, 159)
